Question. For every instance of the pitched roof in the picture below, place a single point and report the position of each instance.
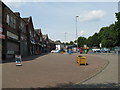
(26, 19)
(45, 36)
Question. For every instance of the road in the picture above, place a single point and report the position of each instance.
(51, 70)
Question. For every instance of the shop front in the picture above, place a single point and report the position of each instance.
(11, 46)
(12, 49)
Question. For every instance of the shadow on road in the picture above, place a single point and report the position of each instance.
(26, 58)
(71, 85)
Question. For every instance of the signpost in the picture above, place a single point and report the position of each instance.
(18, 60)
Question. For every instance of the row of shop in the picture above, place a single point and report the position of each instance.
(20, 36)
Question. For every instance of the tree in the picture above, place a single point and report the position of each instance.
(71, 43)
(117, 27)
(90, 41)
(81, 41)
(108, 36)
(93, 40)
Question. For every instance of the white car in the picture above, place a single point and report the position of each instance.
(96, 50)
(54, 51)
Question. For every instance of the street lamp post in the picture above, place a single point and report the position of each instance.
(76, 32)
(65, 37)
(65, 40)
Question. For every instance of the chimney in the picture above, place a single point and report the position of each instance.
(17, 14)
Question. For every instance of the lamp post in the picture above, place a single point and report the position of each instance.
(65, 40)
(76, 33)
(65, 37)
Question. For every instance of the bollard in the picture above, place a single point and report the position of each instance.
(81, 60)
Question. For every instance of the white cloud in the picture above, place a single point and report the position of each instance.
(92, 15)
(81, 33)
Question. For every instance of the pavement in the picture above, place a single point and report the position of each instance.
(51, 70)
(107, 78)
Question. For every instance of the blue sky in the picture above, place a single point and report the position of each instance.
(56, 18)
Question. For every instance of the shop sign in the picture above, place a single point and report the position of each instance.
(10, 52)
(12, 35)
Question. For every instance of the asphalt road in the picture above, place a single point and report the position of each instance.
(51, 70)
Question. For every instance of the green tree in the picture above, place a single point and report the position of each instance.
(117, 27)
(71, 43)
(81, 41)
(108, 36)
(93, 40)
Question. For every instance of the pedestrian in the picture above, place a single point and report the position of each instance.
(70, 51)
(101, 51)
(116, 52)
(81, 50)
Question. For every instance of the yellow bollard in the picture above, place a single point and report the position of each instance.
(77, 58)
(81, 60)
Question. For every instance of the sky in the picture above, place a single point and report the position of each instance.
(58, 18)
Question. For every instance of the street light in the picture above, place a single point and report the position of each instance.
(76, 32)
(65, 39)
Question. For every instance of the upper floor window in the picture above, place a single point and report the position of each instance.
(30, 32)
(34, 35)
(23, 26)
(11, 20)
(8, 19)
(14, 22)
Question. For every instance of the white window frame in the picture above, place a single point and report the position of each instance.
(8, 19)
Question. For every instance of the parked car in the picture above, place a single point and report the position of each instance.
(96, 50)
(55, 51)
(105, 50)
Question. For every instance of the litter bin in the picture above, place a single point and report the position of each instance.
(81, 60)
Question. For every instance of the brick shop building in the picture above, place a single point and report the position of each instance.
(30, 35)
(11, 44)
(20, 36)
